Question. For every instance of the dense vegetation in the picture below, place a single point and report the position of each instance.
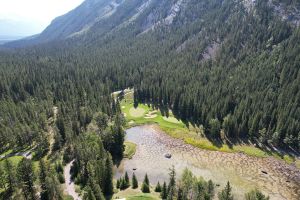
(216, 64)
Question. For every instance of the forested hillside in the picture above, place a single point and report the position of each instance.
(224, 64)
(229, 64)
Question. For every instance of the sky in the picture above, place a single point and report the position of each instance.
(28, 17)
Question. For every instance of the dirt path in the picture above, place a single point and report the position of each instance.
(70, 186)
(51, 124)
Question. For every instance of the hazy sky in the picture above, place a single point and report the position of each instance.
(34, 15)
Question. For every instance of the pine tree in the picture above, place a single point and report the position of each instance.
(145, 186)
(256, 195)
(225, 194)
(53, 188)
(43, 177)
(122, 184)
(172, 184)
(26, 178)
(10, 177)
(179, 194)
(146, 179)
(108, 178)
(158, 187)
(118, 184)
(210, 188)
(134, 181)
(126, 178)
(88, 195)
(164, 192)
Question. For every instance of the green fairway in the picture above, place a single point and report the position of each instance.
(136, 194)
(130, 149)
(145, 114)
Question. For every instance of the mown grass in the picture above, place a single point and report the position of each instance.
(136, 194)
(191, 135)
(68, 197)
(130, 149)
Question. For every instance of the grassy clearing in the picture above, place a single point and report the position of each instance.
(136, 112)
(191, 135)
(136, 194)
(130, 149)
(16, 159)
(68, 197)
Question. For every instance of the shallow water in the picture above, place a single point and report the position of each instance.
(244, 172)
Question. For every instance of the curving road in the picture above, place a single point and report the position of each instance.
(70, 186)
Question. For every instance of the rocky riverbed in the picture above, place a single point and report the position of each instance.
(274, 177)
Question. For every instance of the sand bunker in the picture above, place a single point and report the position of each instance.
(136, 112)
(171, 119)
(151, 115)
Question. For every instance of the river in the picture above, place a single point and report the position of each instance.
(272, 176)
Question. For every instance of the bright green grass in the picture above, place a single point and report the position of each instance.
(135, 194)
(68, 197)
(130, 149)
(137, 112)
(16, 159)
(7, 152)
(142, 197)
(191, 135)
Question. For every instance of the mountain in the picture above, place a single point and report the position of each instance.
(76, 22)
(224, 64)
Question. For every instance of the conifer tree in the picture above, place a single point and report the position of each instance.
(26, 177)
(10, 177)
(146, 179)
(118, 184)
(225, 194)
(164, 191)
(158, 187)
(88, 195)
(172, 183)
(43, 177)
(210, 188)
(108, 178)
(126, 178)
(134, 181)
(145, 186)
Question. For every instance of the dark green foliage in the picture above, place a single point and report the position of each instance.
(146, 185)
(42, 177)
(172, 184)
(164, 192)
(145, 188)
(26, 179)
(146, 179)
(122, 184)
(89, 194)
(10, 178)
(210, 189)
(226, 194)
(256, 195)
(126, 178)
(118, 184)
(158, 187)
(102, 121)
(108, 177)
(134, 181)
